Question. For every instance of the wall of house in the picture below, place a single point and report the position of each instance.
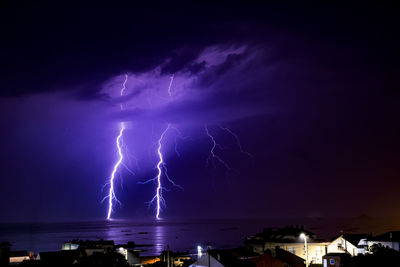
(132, 258)
(18, 259)
(69, 246)
(331, 261)
(90, 251)
(179, 260)
(315, 250)
(334, 247)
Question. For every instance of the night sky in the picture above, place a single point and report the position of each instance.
(311, 90)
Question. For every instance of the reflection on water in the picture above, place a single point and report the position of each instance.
(159, 239)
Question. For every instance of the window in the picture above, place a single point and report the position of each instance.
(331, 261)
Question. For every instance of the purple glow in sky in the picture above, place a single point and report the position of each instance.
(311, 92)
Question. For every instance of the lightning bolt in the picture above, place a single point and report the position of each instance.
(161, 167)
(237, 140)
(178, 136)
(119, 143)
(111, 194)
(170, 84)
(212, 155)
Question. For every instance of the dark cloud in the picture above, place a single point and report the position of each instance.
(48, 46)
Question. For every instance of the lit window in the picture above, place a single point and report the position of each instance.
(331, 261)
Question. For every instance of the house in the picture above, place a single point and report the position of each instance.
(223, 258)
(289, 258)
(16, 257)
(180, 260)
(336, 259)
(347, 243)
(90, 246)
(175, 258)
(242, 257)
(389, 240)
(281, 258)
(58, 258)
(130, 253)
(267, 260)
(289, 239)
(207, 260)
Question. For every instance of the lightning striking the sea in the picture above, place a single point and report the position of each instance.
(161, 171)
(112, 198)
(111, 194)
(160, 165)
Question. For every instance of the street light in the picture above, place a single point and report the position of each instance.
(199, 252)
(304, 236)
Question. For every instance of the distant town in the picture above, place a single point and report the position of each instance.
(291, 246)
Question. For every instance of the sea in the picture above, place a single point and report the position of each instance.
(178, 234)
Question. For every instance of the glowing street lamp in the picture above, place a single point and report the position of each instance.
(199, 252)
(304, 236)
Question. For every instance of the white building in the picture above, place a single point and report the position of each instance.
(390, 240)
(16, 257)
(347, 243)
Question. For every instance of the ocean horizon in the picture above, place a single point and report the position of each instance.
(180, 235)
